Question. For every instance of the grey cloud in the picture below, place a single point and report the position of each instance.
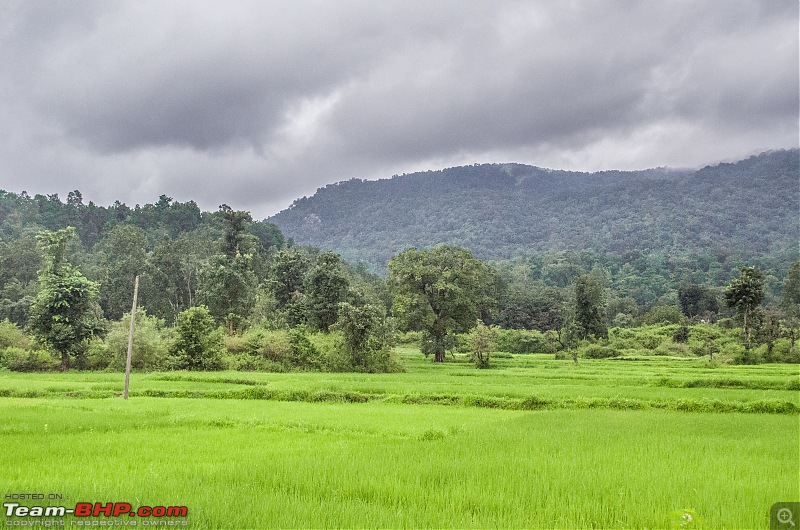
(256, 103)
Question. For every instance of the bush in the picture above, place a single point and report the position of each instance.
(597, 351)
(18, 360)
(235, 344)
(663, 314)
(408, 338)
(482, 340)
(366, 338)
(642, 338)
(332, 355)
(271, 345)
(303, 352)
(673, 349)
(150, 346)
(199, 343)
(522, 341)
(11, 335)
(98, 356)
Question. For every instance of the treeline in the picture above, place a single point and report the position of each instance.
(228, 292)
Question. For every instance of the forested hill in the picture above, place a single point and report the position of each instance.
(501, 211)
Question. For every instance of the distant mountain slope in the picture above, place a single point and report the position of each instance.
(505, 210)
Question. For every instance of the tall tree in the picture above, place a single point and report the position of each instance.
(326, 287)
(443, 290)
(65, 312)
(744, 294)
(227, 284)
(287, 274)
(590, 307)
(125, 256)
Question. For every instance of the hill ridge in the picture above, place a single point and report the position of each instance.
(505, 210)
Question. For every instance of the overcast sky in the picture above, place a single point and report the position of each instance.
(257, 103)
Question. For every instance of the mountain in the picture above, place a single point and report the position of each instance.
(501, 211)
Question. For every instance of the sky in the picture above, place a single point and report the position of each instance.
(254, 104)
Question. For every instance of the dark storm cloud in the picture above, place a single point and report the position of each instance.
(257, 103)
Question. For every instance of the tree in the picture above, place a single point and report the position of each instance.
(442, 291)
(482, 341)
(366, 337)
(326, 287)
(199, 343)
(286, 278)
(696, 299)
(125, 257)
(590, 307)
(744, 294)
(790, 302)
(65, 312)
(227, 283)
(236, 224)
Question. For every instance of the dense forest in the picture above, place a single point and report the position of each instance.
(718, 217)
(576, 259)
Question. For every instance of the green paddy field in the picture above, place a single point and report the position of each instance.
(531, 443)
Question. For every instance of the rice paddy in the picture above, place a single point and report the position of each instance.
(531, 443)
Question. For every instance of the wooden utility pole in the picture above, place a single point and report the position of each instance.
(130, 338)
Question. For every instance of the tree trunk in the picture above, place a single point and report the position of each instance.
(746, 332)
(438, 342)
(64, 361)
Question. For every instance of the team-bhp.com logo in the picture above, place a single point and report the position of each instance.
(90, 510)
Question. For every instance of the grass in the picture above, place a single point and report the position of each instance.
(394, 461)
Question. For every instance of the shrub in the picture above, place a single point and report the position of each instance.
(673, 349)
(366, 337)
(150, 346)
(663, 314)
(11, 335)
(199, 342)
(235, 344)
(18, 360)
(98, 356)
(522, 341)
(303, 352)
(272, 345)
(597, 351)
(482, 340)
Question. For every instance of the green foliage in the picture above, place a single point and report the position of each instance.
(150, 345)
(17, 359)
(597, 351)
(198, 343)
(590, 307)
(482, 342)
(697, 300)
(441, 291)
(326, 287)
(125, 256)
(64, 314)
(663, 314)
(629, 215)
(12, 335)
(366, 337)
(745, 294)
(531, 306)
(286, 283)
(523, 341)
(303, 352)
